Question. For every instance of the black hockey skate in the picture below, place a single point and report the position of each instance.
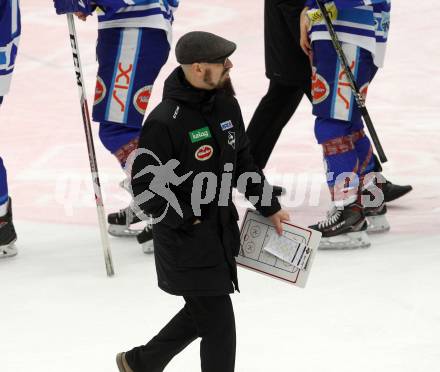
(278, 190)
(119, 223)
(344, 228)
(145, 238)
(392, 192)
(373, 201)
(8, 236)
(377, 220)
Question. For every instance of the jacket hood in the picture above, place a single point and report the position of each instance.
(176, 87)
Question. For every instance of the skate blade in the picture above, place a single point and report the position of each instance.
(123, 231)
(148, 247)
(8, 250)
(377, 224)
(352, 240)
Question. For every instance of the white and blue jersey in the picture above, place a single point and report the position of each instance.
(10, 28)
(364, 23)
(156, 14)
(134, 41)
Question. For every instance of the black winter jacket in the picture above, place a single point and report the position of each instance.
(203, 130)
(286, 63)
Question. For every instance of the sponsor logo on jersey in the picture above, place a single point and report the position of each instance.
(122, 84)
(141, 99)
(226, 125)
(315, 15)
(100, 90)
(231, 139)
(320, 88)
(200, 134)
(204, 152)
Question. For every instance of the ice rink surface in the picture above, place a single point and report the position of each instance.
(371, 310)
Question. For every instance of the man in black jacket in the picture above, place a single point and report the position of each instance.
(193, 149)
(289, 72)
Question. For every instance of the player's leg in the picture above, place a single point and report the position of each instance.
(334, 106)
(345, 224)
(8, 235)
(372, 182)
(129, 61)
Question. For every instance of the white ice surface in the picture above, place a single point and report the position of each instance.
(367, 310)
(372, 310)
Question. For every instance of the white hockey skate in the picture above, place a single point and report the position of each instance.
(344, 228)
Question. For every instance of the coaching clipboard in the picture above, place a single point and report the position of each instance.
(257, 231)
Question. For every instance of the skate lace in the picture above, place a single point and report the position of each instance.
(332, 216)
(122, 212)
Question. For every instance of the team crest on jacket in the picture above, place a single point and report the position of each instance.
(226, 125)
(231, 139)
(204, 152)
(100, 91)
(320, 87)
(141, 99)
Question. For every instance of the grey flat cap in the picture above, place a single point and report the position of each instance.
(199, 46)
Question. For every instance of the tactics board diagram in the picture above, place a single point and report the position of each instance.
(256, 232)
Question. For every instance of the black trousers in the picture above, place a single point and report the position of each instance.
(211, 318)
(272, 114)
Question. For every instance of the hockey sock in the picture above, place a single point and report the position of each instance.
(364, 152)
(3, 190)
(119, 139)
(342, 169)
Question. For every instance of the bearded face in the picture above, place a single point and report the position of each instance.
(222, 83)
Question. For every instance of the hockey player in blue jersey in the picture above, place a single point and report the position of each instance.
(10, 28)
(362, 27)
(134, 38)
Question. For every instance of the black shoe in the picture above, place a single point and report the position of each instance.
(122, 363)
(119, 223)
(392, 192)
(8, 236)
(343, 228)
(278, 190)
(145, 238)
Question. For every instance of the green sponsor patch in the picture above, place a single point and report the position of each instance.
(199, 134)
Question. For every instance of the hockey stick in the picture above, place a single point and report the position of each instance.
(90, 146)
(351, 80)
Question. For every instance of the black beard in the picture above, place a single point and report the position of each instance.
(223, 86)
(227, 88)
